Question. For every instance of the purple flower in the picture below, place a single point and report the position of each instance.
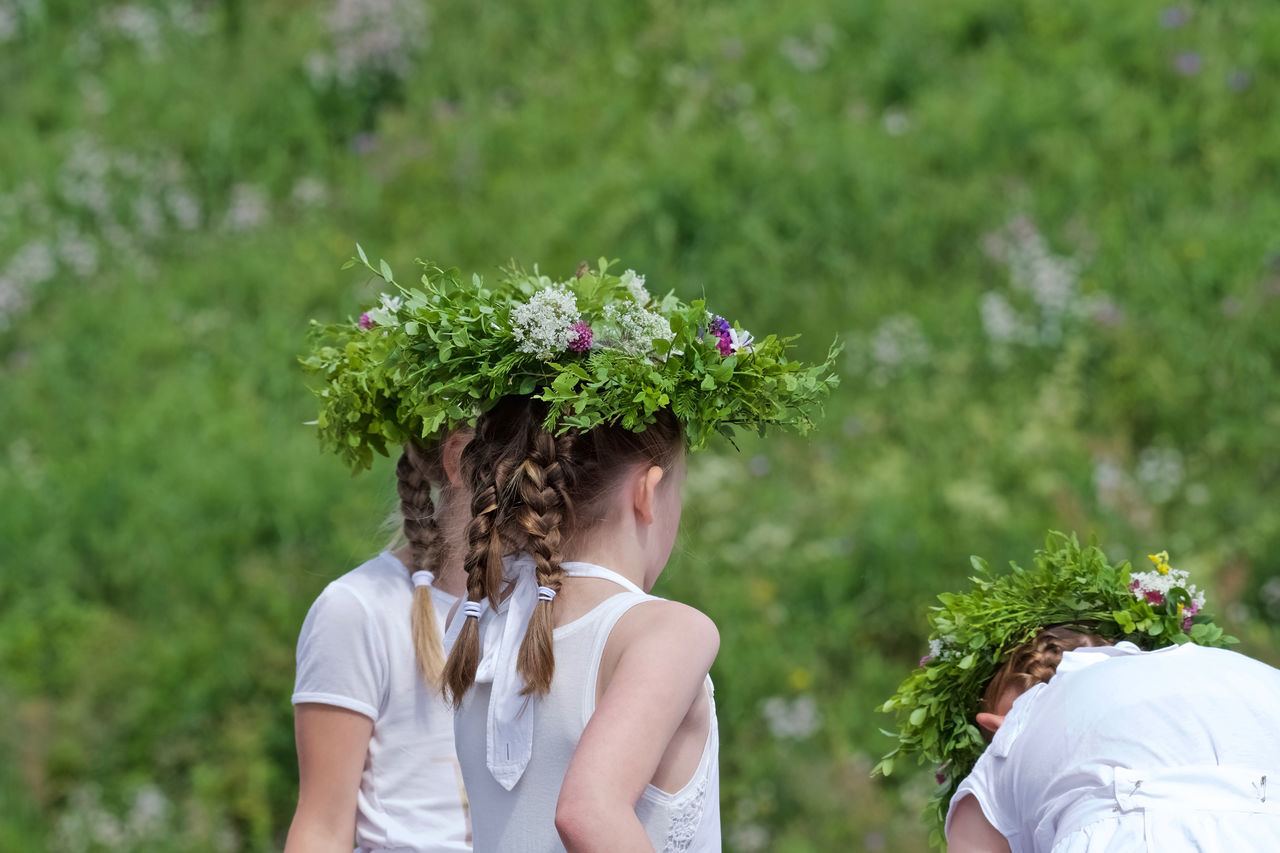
(1186, 623)
(924, 660)
(724, 338)
(1187, 63)
(582, 337)
(366, 322)
(1155, 596)
(1174, 17)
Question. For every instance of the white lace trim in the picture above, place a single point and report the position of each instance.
(686, 818)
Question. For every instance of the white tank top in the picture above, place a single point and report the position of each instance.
(522, 820)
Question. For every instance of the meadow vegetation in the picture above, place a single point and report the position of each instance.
(1045, 231)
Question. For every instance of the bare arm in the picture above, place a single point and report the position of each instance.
(332, 745)
(657, 678)
(970, 832)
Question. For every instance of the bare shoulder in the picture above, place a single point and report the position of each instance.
(663, 623)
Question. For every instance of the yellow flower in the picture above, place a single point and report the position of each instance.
(800, 679)
(1161, 560)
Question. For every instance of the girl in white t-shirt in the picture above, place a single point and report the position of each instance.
(375, 740)
(593, 728)
(1110, 748)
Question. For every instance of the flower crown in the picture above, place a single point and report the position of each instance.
(974, 633)
(597, 347)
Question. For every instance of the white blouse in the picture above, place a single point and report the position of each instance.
(356, 652)
(1130, 750)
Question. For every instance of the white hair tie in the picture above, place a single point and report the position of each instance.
(546, 593)
(472, 608)
(422, 578)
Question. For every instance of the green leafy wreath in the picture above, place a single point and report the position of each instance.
(597, 347)
(974, 633)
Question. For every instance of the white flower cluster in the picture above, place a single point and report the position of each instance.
(943, 648)
(635, 284)
(1141, 583)
(370, 37)
(543, 326)
(385, 314)
(637, 328)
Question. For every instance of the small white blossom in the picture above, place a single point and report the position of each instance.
(637, 328)
(635, 284)
(543, 326)
(385, 314)
(1142, 583)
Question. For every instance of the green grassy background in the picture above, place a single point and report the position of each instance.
(1046, 231)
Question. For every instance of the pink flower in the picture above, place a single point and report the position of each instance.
(583, 336)
(1155, 597)
(924, 660)
(1186, 623)
(366, 322)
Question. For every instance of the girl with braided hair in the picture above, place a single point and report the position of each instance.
(375, 740)
(585, 718)
(1101, 747)
(585, 713)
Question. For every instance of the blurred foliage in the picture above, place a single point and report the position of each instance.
(1043, 228)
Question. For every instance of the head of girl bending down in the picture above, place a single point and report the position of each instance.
(588, 493)
(1034, 662)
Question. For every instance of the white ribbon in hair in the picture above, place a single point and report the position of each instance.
(422, 578)
(509, 733)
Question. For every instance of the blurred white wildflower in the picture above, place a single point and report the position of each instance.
(1002, 322)
(184, 207)
(792, 720)
(77, 251)
(11, 15)
(137, 24)
(1160, 472)
(543, 326)
(1197, 494)
(309, 192)
(749, 837)
(896, 122)
(897, 342)
(247, 209)
(1110, 483)
(809, 53)
(1050, 281)
(370, 36)
(637, 328)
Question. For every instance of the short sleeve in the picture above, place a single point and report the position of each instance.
(980, 784)
(342, 658)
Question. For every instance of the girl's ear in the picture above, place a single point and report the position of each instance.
(990, 722)
(451, 454)
(645, 492)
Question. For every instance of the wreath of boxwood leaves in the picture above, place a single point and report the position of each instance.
(974, 633)
(449, 353)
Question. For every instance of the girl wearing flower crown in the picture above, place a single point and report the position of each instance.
(1093, 743)
(375, 738)
(585, 714)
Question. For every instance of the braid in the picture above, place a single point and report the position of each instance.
(413, 479)
(483, 565)
(1035, 661)
(543, 504)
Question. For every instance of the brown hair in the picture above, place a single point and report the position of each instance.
(1035, 661)
(530, 491)
(416, 471)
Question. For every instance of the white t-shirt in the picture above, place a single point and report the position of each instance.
(1122, 749)
(356, 652)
